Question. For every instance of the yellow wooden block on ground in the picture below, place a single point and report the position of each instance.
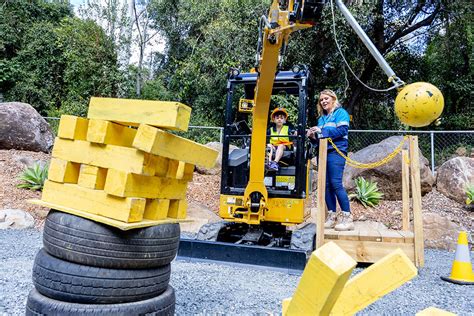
(63, 171)
(155, 141)
(156, 209)
(73, 127)
(104, 156)
(94, 201)
(379, 279)
(180, 170)
(433, 311)
(92, 177)
(126, 184)
(168, 115)
(178, 209)
(105, 132)
(323, 279)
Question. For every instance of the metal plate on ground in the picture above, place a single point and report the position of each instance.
(293, 261)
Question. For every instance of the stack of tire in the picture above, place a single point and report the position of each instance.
(89, 268)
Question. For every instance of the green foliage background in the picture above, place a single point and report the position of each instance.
(56, 61)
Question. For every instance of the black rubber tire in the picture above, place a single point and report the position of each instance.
(71, 282)
(83, 241)
(162, 305)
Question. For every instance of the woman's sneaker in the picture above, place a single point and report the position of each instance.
(345, 222)
(331, 220)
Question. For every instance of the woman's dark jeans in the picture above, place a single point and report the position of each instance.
(334, 187)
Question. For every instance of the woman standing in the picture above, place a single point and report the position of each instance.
(334, 123)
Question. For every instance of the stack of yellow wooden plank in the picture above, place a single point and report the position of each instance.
(120, 166)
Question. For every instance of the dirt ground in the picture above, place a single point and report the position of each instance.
(204, 190)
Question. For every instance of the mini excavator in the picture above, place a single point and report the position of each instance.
(258, 205)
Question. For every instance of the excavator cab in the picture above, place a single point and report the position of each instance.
(289, 187)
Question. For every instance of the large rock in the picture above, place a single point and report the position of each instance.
(439, 232)
(217, 167)
(453, 177)
(199, 216)
(388, 176)
(21, 127)
(15, 219)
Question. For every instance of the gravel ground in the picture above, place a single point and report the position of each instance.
(204, 289)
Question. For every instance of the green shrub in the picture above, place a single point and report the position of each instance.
(33, 178)
(470, 194)
(366, 193)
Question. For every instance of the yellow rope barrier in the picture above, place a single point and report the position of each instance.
(362, 165)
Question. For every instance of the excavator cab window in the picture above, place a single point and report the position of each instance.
(290, 90)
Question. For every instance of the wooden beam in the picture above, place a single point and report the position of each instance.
(320, 215)
(405, 190)
(92, 177)
(73, 127)
(104, 156)
(94, 201)
(416, 200)
(63, 171)
(379, 279)
(178, 209)
(167, 115)
(156, 209)
(161, 166)
(109, 133)
(180, 170)
(124, 184)
(155, 141)
(391, 236)
(323, 279)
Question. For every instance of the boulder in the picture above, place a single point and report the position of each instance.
(21, 127)
(439, 232)
(15, 219)
(199, 216)
(388, 176)
(217, 167)
(453, 177)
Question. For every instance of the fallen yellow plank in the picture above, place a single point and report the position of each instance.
(72, 127)
(433, 311)
(156, 209)
(155, 141)
(125, 184)
(178, 209)
(92, 177)
(323, 279)
(379, 279)
(284, 305)
(94, 201)
(63, 171)
(109, 133)
(104, 156)
(168, 115)
(109, 221)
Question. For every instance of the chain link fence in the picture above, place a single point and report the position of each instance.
(436, 146)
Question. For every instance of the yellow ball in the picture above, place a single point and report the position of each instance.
(419, 104)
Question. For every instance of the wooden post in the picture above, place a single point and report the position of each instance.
(320, 215)
(405, 191)
(416, 196)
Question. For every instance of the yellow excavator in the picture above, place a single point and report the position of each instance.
(257, 204)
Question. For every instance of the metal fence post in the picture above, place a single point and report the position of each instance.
(221, 134)
(432, 153)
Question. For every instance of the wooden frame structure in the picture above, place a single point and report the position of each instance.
(371, 245)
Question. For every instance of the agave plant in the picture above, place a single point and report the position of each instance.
(366, 193)
(33, 178)
(470, 194)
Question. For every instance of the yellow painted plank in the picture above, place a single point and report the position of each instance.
(178, 209)
(94, 201)
(63, 171)
(284, 305)
(92, 177)
(124, 184)
(433, 311)
(109, 221)
(323, 279)
(104, 156)
(109, 133)
(161, 166)
(155, 141)
(379, 279)
(168, 115)
(371, 251)
(156, 209)
(72, 127)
